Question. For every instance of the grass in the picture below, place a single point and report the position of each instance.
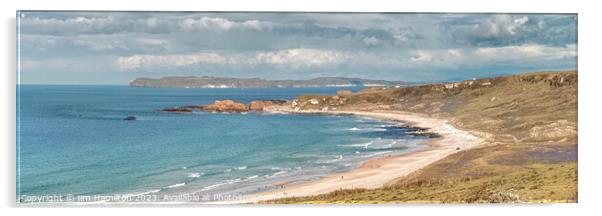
(530, 125)
(539, 183)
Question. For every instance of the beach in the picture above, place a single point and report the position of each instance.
(379, 172)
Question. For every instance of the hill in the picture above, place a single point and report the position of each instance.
(529, 122)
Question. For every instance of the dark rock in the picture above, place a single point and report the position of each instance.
(192, 107)
(177, 110)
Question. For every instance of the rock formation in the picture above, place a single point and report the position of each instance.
(229, 106)
(225, 106)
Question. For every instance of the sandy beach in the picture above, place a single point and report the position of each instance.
(380, 171)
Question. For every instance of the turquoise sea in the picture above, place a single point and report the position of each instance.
(72, 140)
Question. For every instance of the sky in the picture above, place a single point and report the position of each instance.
(117, 47)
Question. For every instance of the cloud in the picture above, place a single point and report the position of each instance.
(148, 61)
(295, 58)
(304, 58)
(527, 51)
(221, 24)
(371, 41)
(301, 57)
(503, 30)
(92, 25)
(422, 56)
(294, 45)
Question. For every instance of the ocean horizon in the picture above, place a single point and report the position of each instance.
(73, 141)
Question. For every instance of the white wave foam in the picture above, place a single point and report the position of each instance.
(252, 177)
(175, 185)
(353, 129)
(227, 182)
(241, 167)
(333, 160)
(280, 168)
(279, 173)
(276, 174)
(362, 145)
(194, 175)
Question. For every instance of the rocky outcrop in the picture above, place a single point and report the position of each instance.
(229, 106)
(225, 106)
(260, 105)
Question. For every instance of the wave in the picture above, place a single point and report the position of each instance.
(362, 145)
(241, 168)
(300, 156)
(339, 158)
(194, 175)
(227, 182)
(280, 168)
(353, 129)
(175, 185)
(276, 174)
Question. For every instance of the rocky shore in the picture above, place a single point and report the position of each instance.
(228, 106)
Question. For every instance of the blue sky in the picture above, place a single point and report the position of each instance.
(116, 47)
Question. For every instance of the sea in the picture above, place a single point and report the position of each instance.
(72, 142)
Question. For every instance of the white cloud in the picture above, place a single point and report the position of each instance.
(152, 41)
(296, 58)
(99, 45)
(422, 56)
(92, 25)
(516, 24)
(532, 51)
(371, 41)
(148, 61)
(454, 52)
(301, 57)
(221, 24)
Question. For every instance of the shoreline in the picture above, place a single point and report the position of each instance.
(381, 171)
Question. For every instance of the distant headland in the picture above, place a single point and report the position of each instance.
(229, 82)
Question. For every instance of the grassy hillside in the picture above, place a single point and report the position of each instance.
(529, 122)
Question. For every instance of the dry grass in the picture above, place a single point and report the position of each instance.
(531, 152)
(533, 184)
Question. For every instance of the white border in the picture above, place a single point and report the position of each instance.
(589, 90)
